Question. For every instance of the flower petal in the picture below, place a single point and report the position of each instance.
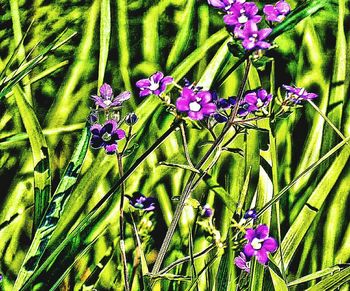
(182, 104)
(95, 129)
(251, 98)
(208, 108)
(270, 244)
(250, 234)
(264, 33)
(156, 77)
(110, 126)
(262, 231)
(120, 133)
(205, 96)
(106, 91)
(96, 142)
(248, 250)
(145, 92)
(196, 115)
(261, 256)
(111, 148)
(143, 83)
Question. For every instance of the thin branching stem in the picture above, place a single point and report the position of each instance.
(185, 145)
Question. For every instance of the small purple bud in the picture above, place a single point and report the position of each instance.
(131, 119)
(251, 213)
(207, 211)
(93, 117)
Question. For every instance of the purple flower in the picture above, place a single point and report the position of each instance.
(207, 211)
(223, 4)
(107, 99)
(106, 136)
(278, 12)
(251, 213)
(242, 263)
(156, 84)
(252, 37)
(296, 94)
(131, 119)
(239, 14)
(196, 104)
(253, 101)
(259, 243)
(139, 201)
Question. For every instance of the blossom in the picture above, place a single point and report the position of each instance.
(296, 94)
(252, 37)
(106, 136)
(156, 84)
(242, 263)
(278, 12)
(253, 101)
(223, 4)
(239, 14)
(207, 211)
(259, 243)
(107, 99)
(196, 104)
(251, 213)
(139, 201)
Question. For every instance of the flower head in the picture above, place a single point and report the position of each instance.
(253, 101)
(207, 211)
(259, 243)
(242, 263)
(139, 201)
(196, 104)
(240, 13)
(131, 119)
(252, 38)
(278, 12)
(223, 4)
(296, 94)
(107, 100)
(251, 213)
(106, 136)
(156, 84)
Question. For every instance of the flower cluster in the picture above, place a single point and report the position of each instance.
(142, 202)
(106, 134)
(259, 245)
(156, 84)
(296, 95)
(242, 20)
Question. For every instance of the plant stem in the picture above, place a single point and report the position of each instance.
(121, 223)
(184, 142)
(188, 188)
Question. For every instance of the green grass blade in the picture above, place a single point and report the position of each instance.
(182, 39)
(42, 174)
(55, 210)
(333, 282)
(278, 282)
(105, 32)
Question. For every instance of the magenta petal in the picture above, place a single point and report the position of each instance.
(247, 44)
(250, 98)
(251, 8)
(263, 44)
(123, 96)
(111, 149)
(208, 109)
(283, 7)
(157, 77)
(110, 126)
(261, 256)
(251, 27)
(106, 91)
(195, 115)
(182, 104)
(312, 96)
(269, 9)
(95, 129)
(145, 92)
(248, 250)
(167, 80)
(205, 96)
(264, 33)
(250, 234)
(143, 83)
(230, 19)
(270, 244)
(187, 93)
(262, 231)
(120, 133)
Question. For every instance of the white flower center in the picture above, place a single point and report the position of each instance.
(107, 102)
(153, 86)
(195, 107)
(256, 243)
(242, 19)
(259, 103)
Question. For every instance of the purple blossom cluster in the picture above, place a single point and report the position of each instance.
(141, 202)
(259, 245)
(242, 19)
(296, 95)
(106, 134)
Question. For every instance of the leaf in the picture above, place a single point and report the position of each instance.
(278, 282)
(332, 282)
(54, 210)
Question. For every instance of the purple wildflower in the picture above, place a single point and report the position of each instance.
(223, 4)
(131, 119)
(242, 263)
(259, 243)
(106, 136)
(278, 12)
(251, 213)
(253, 101)
(296, 94)
(239, 14)
(207, 211)
(139, 201)
(107, 99)
(252, 37)
(196, 104)
(156, 84)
